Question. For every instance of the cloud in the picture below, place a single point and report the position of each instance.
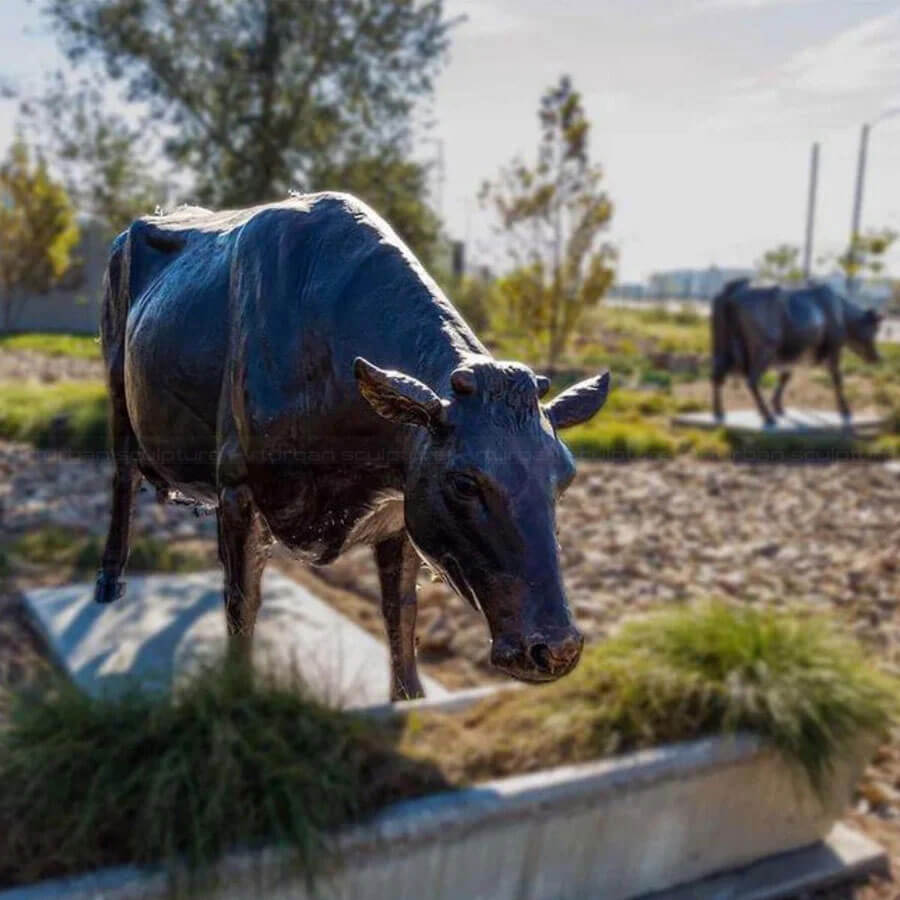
(862, 57)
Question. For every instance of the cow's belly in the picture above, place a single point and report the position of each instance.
(174, 360)
(317, 511)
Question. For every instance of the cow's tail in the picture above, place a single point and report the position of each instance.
(114, 306)
(727, 350)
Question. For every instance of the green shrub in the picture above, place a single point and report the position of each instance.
(656, 378)
(885, 447)
(674, 676)
(66, 415)
(232, 762)
(705, 444)
(77, 345)
(57, 545)
(619, 439)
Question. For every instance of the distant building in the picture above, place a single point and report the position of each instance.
(74, 305)
(695, 284)
(704, 284)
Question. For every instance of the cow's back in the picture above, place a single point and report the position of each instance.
(262, 312)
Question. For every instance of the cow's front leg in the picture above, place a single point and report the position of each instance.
(837, 379)
(244, 546)
(719, 373)
(398, 565)
(777, 404)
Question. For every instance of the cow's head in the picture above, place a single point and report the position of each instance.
(481, 494)
(861, 331)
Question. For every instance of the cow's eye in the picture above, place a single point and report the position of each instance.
(464, 486)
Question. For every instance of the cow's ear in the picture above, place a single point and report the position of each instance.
(579, 402)
(398, 397)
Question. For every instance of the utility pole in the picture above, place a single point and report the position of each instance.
(858, 194)
(811, 210)
(857, 206)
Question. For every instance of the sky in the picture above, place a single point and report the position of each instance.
(703, 112)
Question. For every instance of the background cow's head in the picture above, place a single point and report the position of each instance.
(481, 495)
(861, 332)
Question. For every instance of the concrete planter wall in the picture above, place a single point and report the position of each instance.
(618, 828)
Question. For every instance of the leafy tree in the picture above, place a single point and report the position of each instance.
(37, 231)
(101, 157)
(865, 255)
(781, 264)
(552, 215)
(251, 96)
(396, 189)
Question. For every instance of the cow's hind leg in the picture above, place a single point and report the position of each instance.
(126, 479)
(398, 565)
(758, 364)
(777, 405)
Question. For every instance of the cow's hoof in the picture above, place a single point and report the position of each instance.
(108, 589)
(770, 423)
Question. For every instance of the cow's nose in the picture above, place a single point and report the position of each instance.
(556, 656)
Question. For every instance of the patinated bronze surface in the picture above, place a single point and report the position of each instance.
(295, 367)
(754, 328)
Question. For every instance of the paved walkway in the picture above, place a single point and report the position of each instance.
(167, 624)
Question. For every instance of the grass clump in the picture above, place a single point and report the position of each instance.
(673, 676)
(67, 415)
(620, 439)
(58, 545)
(80, 346)
(232, 762)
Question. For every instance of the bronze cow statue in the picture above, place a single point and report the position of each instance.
(754, 328)
(295, 367)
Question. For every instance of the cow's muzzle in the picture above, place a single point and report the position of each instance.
(540, 657)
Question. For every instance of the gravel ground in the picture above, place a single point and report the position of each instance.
(823, 537)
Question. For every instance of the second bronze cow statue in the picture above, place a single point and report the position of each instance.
(754, 328)
(294, 366)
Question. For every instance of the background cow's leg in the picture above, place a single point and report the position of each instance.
(753, 378)
(398, 565)
(837, 379)
(126, 479)
(759, 361)
(783, 378)
(719, 373)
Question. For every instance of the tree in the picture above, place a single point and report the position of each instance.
(37, 231)
(396, 189)
(781, 264)
(252, 96)
(552, 215)
(865, 255)
(97, 152)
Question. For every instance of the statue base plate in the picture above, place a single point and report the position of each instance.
(795, 421)
(166, 625)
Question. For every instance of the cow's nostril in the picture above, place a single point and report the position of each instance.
(540, 656)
